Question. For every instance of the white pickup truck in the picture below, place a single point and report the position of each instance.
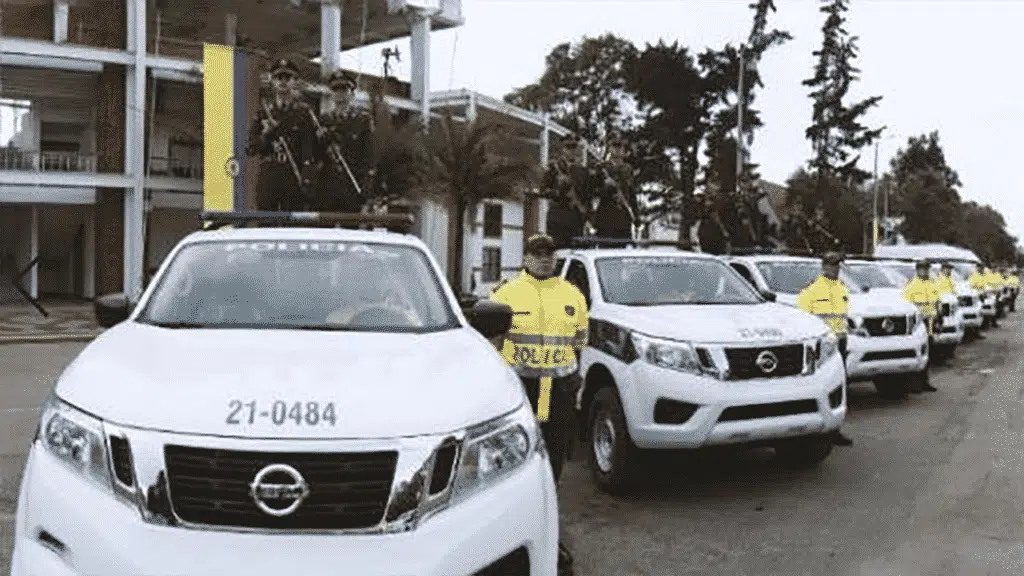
(684, 354)
(887, 342)
(290, 401)
(968, 313)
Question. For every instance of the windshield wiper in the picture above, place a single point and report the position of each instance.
(316, 327)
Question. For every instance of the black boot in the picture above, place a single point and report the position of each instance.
(841, 440)
(564, 560)
(926, 384)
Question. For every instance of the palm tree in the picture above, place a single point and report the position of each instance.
(463, 164)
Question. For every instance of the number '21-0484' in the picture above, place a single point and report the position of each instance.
(280, 413)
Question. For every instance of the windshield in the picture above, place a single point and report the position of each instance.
(905, 269)
(650, 281)
(966, 269)
(870, 275)
(792, 276)
(325, 285)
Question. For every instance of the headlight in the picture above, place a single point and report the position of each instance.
(827, 346)
(671, 354)
(495, 449)
(75, 438)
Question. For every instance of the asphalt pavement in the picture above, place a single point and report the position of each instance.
(932, 486)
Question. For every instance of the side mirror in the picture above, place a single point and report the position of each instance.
(769, 295)
(112, 309)
(467, 301)
(491, 318)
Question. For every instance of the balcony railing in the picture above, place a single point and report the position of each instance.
(175, 168)
(37, 161)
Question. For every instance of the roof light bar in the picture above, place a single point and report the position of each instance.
(402, 223)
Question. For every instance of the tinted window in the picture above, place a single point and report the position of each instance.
(654, 280)
(870, 275)
(792, 276)
(309, 285)
(576, 274)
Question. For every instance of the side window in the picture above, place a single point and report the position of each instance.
(744, 272)
(577, 275)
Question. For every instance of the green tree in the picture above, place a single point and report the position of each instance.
(983, 230)
(463, 163)
(584, 88)
(831, 213)
(925, 191)
(836, 132)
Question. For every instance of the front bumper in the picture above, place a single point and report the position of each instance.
(87, 531)
(951, 333)
(876, 356)
(771, 408)
(971, 317)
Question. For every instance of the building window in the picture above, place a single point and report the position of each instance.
(492, 220)
(491, 269)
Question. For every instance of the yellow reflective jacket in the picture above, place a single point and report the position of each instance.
(978, 281)
(924, 294)
(994, 280)
(945, 284)
(551, 320)
(1014, 281)
(828, 300)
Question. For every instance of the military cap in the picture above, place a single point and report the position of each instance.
(538, 244)
(832, 259)
(284, 67)
(340, 80)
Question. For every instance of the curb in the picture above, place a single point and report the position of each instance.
(44, 338)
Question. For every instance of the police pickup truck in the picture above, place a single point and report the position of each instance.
(901, 257)
(887, 342)
(962, 312)
(290, 399)
(684, 354)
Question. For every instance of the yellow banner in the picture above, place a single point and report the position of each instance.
(221, 149)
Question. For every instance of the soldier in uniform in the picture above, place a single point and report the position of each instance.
(283, 137)
(343, 151)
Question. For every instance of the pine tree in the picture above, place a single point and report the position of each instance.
(836, 133)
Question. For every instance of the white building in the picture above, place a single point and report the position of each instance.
(84, 83)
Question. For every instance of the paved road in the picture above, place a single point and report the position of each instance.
(933, 486)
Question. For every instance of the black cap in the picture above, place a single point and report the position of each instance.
(284, 67)
(947, 265)
(340, 80)
(832, 259)
(539, 244)
(924, 263)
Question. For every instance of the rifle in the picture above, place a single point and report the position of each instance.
(283, 151)
(336, 154)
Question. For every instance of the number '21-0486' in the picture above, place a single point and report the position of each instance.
(279, 413)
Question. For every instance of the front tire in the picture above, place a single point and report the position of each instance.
(613, 456)
(802, 453)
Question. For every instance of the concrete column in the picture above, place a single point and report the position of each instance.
(134, 152)
(330, 44)
(110, 147)
(33, 243)
(231, 29)
(419, 45)
(471, 108)
(89, 260)
(61, 9)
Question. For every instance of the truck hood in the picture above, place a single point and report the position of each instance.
(382, 385)
(726, 324)
(877, 302)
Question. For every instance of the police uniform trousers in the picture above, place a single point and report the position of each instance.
(558, 430)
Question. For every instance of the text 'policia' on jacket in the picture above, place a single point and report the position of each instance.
(551, 320)
(829, 300)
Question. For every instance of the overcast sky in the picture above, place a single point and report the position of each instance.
(940, 64)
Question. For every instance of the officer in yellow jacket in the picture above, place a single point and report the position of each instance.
(923, 292)
(828, 299)
(549, 329)
(994, 281)
(1014, 281)
(944, 282)
(979, 282)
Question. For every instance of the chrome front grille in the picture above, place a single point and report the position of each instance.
(743, 362)
(346, 490)
(887, 326)
(966, 301)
